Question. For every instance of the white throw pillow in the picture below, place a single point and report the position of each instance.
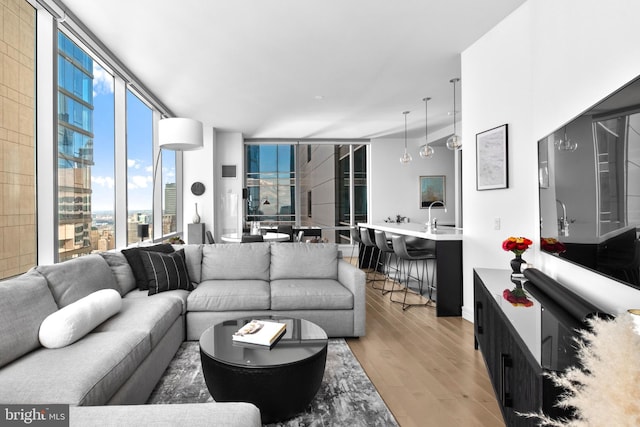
(77, 319)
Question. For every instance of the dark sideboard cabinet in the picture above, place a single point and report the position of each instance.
(519, 342)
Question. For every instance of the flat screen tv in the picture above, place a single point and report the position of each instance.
(589, 180)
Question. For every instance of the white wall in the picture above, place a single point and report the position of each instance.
(536, 70)
(228, 202)
(198, 168)
(395, 188)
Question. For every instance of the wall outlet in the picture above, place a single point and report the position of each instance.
(496, 223)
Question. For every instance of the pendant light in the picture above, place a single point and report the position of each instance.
(426, 151)
(565, 144)
(454, 142)
(406, 157)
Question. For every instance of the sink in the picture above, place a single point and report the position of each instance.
(444, 229)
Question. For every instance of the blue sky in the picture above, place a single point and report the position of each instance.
(139, 153)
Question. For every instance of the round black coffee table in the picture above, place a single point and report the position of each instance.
(280, 381)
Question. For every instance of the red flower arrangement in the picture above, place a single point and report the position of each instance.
(517, 245)
(517, 297)
(553, 245)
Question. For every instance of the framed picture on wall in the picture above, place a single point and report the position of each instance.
(432, 189)
(492, 170)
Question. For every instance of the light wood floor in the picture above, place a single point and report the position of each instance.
(425, 367)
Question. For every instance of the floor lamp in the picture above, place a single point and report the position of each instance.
(177, 134)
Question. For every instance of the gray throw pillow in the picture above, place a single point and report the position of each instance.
(74, 279)
(121, 270)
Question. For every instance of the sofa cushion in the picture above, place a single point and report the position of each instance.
(193, 257)
(229, 295)
(19, 326)
(166, 272)
(309, 261)
(74, 279)
(150, 314)
(121, 270)
(135, 261)
(310, 294)
(77, 319)
(179, 296)
(233, 261)
(209, 414)
(87, 372)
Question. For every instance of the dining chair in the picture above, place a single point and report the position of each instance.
(286, 229)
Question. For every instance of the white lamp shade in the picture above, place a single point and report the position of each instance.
(178, 134)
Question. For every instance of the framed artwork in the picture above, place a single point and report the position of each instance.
(432, 189)
(492, 170)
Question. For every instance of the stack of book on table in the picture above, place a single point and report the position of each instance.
(260, 333)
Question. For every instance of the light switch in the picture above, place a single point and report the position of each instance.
(496, 223)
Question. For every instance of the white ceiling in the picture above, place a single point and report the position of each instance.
(258, 66)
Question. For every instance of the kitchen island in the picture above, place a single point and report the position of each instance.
(448, 242)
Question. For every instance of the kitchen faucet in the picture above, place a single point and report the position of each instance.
(433, 225)
(563, 222)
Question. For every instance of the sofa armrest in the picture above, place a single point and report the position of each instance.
(232, 414)
(355, 280)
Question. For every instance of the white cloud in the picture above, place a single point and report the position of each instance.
(102, 81)
(139, 181)
(149, 169)
(103, 181)
(132, 163)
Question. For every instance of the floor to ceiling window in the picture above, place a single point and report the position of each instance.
(85, 153)
(343, 185)
(169, 192)
(307, 185)
(17, 139)
(139, 169)
(270, 183)
(95, 144)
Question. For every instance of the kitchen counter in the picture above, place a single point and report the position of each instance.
(448, 260)
(416, 229)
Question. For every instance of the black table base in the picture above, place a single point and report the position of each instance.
(280, 392)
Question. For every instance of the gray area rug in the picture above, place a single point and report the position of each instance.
(346, 397)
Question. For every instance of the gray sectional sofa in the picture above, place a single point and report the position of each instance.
(120, 360)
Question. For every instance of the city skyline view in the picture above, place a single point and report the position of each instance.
(87, 158)
(140, 160)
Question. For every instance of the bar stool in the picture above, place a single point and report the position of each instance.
(355, 237)
(411, 257)
(372, 275)
(419, 244)
(386, 251)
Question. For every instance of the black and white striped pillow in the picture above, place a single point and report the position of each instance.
(166, 271)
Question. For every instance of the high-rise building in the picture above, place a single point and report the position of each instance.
(169, 214)
(75, 148)
(170, 199)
